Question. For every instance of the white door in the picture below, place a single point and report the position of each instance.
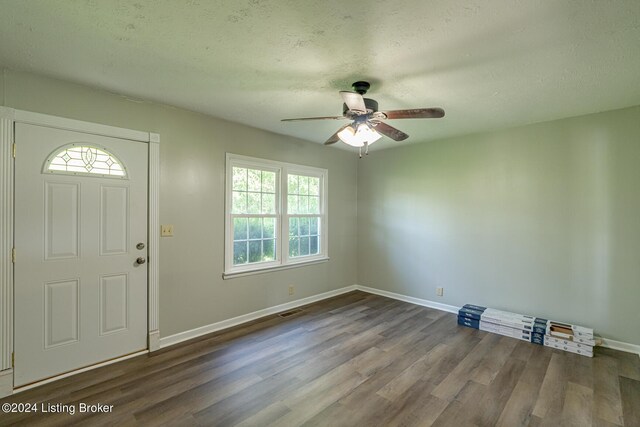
(80, 238)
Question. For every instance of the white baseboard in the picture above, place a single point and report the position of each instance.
(235, 321)
(620, 345)
(6, 383)
(412, 300)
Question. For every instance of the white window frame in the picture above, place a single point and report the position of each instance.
(282, 259)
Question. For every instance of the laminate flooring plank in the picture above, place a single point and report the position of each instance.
(491, 364)
(576, 411)
(497, 394)
(519, 408)
(414, 373)
(415, 407)
(552, 392)
(607, 402)
(630, 393)
(628, 363)
(454, 382)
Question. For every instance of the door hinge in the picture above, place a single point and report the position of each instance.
(13, 255)
(13, 360)
(13, 150)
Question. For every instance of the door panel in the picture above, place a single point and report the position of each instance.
(80, 297)
(61, 303)
(114, 220)
(62, 222)
(114, 302)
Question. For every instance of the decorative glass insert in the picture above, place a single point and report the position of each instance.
(78, 159)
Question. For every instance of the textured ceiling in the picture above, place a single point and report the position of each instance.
(490, 64)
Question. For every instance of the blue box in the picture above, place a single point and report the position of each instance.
(540, 326)
(474, 307)
(471, 323)
(537, 338)
(470, 313)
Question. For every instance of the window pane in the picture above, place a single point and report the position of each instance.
(255, 250)
(303, 204)
(253, 203)
(293, 227)
(255, 228)
(304, 226)
(239, 202)
(292, 184)
(239, 253)
(314, 186)
(313, 245)
(292, 204)
(239, 228)
(269, 227)
(294, 250)
(268, 182)
(240, 179)
(255, 180)
(268, 250)
(268, 203)
(313, 225)
(303, 184)
(314, 204)
(304, 246)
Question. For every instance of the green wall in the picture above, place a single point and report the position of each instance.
(192, 162)
(542, 219)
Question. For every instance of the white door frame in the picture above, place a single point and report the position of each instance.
(8, 118)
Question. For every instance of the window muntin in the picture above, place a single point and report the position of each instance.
(79, 159)
(275, 214)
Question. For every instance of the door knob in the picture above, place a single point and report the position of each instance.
(140, 246)
(141, 260)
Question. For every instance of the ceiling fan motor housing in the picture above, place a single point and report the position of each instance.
(371, 105)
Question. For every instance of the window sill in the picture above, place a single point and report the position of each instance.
(226, 276)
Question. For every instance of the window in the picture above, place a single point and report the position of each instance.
(275, 214)
(78, 159)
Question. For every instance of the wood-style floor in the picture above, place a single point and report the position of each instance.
(354, 360)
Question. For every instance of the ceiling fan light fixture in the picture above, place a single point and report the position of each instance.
(359, 135)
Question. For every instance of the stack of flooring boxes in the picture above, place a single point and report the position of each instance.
(572, 338)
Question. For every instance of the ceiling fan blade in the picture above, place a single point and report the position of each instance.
(354, 101)
(391, 132)
(334, 138)
(416, 113)
(314, 118)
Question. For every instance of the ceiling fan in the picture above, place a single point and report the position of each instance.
(367, 124)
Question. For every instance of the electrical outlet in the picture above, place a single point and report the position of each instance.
(439, 291)
(291, 290)
(166, 230)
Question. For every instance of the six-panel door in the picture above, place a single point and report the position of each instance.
(80, 291)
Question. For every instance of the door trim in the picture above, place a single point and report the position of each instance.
(8, 118)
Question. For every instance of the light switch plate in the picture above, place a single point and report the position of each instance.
(166, 230)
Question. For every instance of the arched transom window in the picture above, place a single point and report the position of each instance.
(79, 159)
